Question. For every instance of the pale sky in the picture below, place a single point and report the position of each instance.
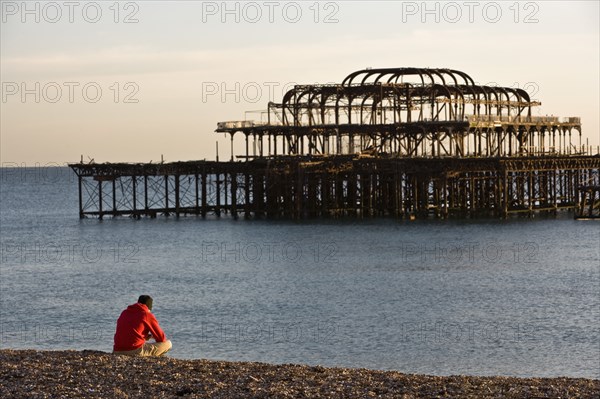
(78, 80)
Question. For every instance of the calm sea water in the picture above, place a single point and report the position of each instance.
(485, 297)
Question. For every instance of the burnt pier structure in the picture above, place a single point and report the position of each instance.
(402, 142)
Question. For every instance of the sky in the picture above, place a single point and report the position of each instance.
(134, 81)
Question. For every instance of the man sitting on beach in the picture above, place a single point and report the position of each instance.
(135, 326)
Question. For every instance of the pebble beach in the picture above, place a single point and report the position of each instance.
(93, 374)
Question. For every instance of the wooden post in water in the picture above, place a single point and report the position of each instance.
(134, 195)
(114, 196)
(80, 187)
(100, 213)
(204, 187)
(176, 176)
(234, 195)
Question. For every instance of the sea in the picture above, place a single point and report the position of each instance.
(516, 297)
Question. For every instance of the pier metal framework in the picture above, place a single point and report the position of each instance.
(404, 142)
(406, 112)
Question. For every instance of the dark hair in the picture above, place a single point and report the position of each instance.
(146, 300)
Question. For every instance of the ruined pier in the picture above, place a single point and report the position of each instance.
(402, 142)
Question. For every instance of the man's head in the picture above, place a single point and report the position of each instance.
(146, 300)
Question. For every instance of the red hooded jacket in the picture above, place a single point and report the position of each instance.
(133, 327)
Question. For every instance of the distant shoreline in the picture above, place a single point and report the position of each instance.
(83, 374)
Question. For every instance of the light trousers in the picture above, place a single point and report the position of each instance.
(149, 349)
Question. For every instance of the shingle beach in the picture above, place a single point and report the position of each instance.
(92, 374)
